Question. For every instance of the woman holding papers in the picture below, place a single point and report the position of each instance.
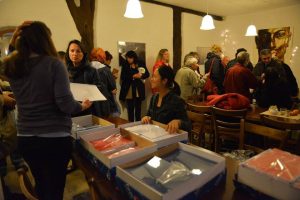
(80, 71)
(166, 106)
(41, 88)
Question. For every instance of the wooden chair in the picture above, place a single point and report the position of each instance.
(287, 126)
(196, 136)
(196, 98)
(26, 185)
(201, 118)
(267, 132)
(229, 125)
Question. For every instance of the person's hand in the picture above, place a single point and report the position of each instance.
(173, 126)
(114, 91)
(137, 76)
(262, 77)
(206, 75)
(85, 104)
(146, 120)
(18, 31)
(8, 101)
(115, 75)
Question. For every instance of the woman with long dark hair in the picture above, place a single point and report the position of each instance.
(80, 71)
(40, 84)
(166, 106)
(132, 91)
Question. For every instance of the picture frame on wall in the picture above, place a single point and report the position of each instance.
(203, 51)
(124, 47)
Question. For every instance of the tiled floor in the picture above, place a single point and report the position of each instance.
(76, 185)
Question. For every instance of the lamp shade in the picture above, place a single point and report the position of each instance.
(207, 23)
(251, 31)
(133, 9)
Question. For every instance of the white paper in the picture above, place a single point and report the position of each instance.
(86, 91)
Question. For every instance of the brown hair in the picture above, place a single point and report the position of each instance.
(34, 38)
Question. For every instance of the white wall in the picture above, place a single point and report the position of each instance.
(54, 13)
(155, 29)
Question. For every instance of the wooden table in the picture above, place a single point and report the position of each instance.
(101, 188)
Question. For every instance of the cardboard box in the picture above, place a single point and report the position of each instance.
(181, 136)
(273, 172)
(92, 124)
(145, 146)
(184, 188)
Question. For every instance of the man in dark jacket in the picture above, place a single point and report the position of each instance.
(266, 62)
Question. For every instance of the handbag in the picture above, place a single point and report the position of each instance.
(210, 87)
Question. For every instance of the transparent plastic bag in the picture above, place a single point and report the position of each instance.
(175, 173)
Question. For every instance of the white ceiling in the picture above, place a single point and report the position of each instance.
(231, 7)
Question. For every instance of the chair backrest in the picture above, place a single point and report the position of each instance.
(196, 98)
(197, 132)
(267, 132)
(26, 185)
(206, 126)
(229, 125)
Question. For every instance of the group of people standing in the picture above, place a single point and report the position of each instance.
(270, 82)
(41, 87)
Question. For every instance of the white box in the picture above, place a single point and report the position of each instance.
(145, 146)
(182, 189)
(264, 180)
(89, 121)
(162, 141)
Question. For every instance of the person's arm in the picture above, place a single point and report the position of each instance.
(181, 115)
(196, 81)
(62, 93)
(252, 81)
(258, 71)
(217, 74)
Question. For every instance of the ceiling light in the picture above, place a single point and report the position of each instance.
(133, 9)
(251, 31)
(207, 23)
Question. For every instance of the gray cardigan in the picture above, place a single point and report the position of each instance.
(44, 99)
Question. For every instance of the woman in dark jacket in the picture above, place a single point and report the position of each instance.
(80, 71)
(132, 91)
(215, 67)
(166, 106)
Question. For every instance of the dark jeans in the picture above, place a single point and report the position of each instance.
(134, 109)
(48, 159)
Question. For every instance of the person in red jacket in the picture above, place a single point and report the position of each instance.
(239, 79)
(161, 59)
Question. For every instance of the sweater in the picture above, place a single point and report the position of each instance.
(172, 107)
(44, 99)
(188, 81)
(239, 79)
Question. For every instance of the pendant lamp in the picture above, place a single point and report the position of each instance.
(207, 23)
(251, 31)
(133, 9)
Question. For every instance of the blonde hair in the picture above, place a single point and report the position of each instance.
(216, 49)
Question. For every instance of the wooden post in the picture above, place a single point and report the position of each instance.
(83, 17)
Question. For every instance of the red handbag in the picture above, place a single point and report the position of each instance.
(210, 87)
